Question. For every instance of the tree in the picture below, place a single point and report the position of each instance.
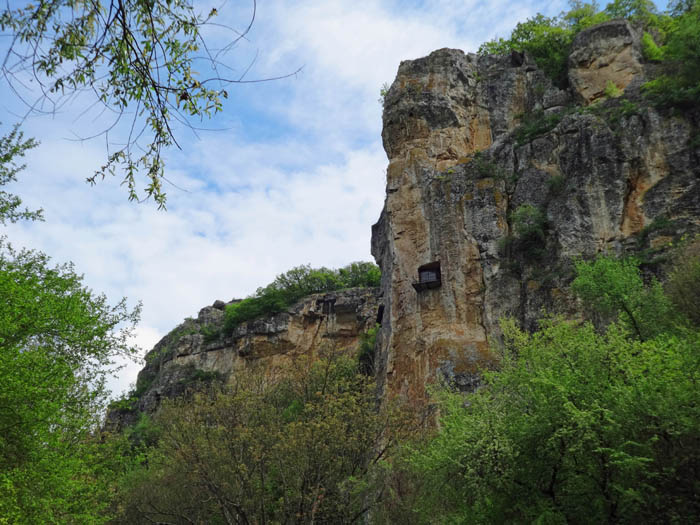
(613, 289)
(58, 341)
(299, 282)
(679, 83)
(301, 444)
(138, 58)
(578, 425)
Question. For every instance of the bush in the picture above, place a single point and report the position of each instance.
(535, 124)
(528, 225)
(366, 353)
(556, 184)
(650, 50)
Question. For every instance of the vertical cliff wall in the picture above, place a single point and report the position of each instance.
(497, 180)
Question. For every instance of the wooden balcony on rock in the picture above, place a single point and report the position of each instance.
(428, 277)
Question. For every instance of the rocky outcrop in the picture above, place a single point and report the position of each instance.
(497, 180)
(604, 57)
(196, 352)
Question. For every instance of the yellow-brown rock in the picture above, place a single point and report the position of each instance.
(615, 179)
(604, 57)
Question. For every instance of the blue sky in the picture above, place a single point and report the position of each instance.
(295, 176)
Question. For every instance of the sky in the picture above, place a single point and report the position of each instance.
(290, 173)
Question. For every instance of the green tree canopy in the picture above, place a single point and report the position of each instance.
(301, 444)
(578, 425)
(289, 287)
(58, 342)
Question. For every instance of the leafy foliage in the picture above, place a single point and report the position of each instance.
(535, 124)
(576, 425)
(683, 285)
(58, 341)
(299, 282)
(650, 50)
(679, 85)
(139, 58)
(613, 289)
(366, 354)
(528, 224)
(548, 39)
(304, 448)
(642, 12)
(12, 146)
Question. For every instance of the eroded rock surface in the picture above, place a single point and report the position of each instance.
(606, 56)
(195, 351)
(617, 177)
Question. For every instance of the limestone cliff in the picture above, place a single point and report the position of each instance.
(197, 352)
(497, 180)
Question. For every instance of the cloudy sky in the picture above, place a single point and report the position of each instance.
(292, 172)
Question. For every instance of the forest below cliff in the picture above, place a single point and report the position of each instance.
(590, 419)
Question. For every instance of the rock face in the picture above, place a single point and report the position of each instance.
(196, 352)
(602, 56)
(497, 180)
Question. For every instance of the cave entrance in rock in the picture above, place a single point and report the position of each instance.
(428, 276)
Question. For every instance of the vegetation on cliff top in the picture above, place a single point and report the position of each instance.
(289, 287)
(672, 39)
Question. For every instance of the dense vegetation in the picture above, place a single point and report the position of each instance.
(584, 421)
(580, 424)
(297, 283)
(672, 39)
(305, 448)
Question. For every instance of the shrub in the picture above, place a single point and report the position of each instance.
(611, 90)
(556, 184)
(535, 124)
(529, 224)
(650, 50)
(366, 352)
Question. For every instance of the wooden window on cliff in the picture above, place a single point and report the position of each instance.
(428, 276)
